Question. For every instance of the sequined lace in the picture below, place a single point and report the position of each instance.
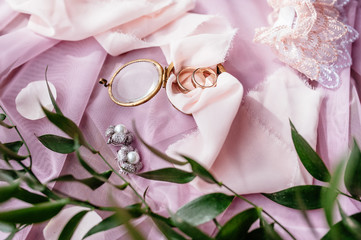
(310, 36)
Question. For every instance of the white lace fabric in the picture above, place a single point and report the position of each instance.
(310, 36)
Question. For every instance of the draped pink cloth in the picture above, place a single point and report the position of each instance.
(75, 66)
(241, 143)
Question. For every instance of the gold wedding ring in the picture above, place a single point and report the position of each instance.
(188, 79)
(206, 79)
(207, 75)
(181, 82)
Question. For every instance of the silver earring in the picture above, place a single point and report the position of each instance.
(119, 135)
(128, 158)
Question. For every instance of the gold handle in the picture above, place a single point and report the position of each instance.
(104, 82)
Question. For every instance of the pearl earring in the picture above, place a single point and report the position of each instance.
(128, 158)
(118, 135)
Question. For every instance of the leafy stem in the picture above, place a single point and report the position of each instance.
(28, 170)
(21, 137)
(124, 180)
(349, 196)
(279, 224)
(219, 226)
(264, 211)
(46, 189)
(50, 193)
(239, 196)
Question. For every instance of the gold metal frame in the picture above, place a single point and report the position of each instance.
(162, 81)
(163, 76)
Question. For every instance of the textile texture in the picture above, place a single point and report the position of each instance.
(245, 116)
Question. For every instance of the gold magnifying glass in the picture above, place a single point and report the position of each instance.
(136, 82)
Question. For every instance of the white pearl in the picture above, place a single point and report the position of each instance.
(120, 128)
(133, 157)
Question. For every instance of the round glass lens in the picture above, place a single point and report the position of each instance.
(136, 82)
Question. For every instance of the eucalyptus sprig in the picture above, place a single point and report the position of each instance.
(310, 197)
(45, 202)
(199, 209)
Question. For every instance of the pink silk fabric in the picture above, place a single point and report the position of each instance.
(241, 143)
(77, 20)
(74, 69)
(122, 26)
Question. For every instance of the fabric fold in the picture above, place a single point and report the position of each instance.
(254, 152)
(213, 110)
(77, 20)
(15, 53)
(134, 34)
(123, 26)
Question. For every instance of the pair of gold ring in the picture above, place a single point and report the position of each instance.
(200, 78)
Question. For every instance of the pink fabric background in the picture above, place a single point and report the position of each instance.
(74, 68)
(241, 143)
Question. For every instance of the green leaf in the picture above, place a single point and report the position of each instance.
(169, 175)
(29, 197)
(303, 209)
(262, 233)
(204, 208)
(113, 221)
(340, 231)
(98, 180)
(8, 191)
(145, 193)
(57, 144)
(256, 234)
(269, 231)
(7, 227)
(35, 214)
(7, 154)
(156, 151)
(124, 216)
(167, 231)
(68, 127)
(2, 118)
(84, 164)
(351, 224)
(9, 175)
(237, 227)
(56, 107)
(71, 226)
(187, 228)
(122, 186)
(309, 158)
(353, 172)
(329, 195)
(11, 235)
(310, 195)
(167, 221)
(201, 172)
(92, 182)
(5, 125)
(134, 210)
(106, 224)
(50, 194)
(14, 146)
(33, 184)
